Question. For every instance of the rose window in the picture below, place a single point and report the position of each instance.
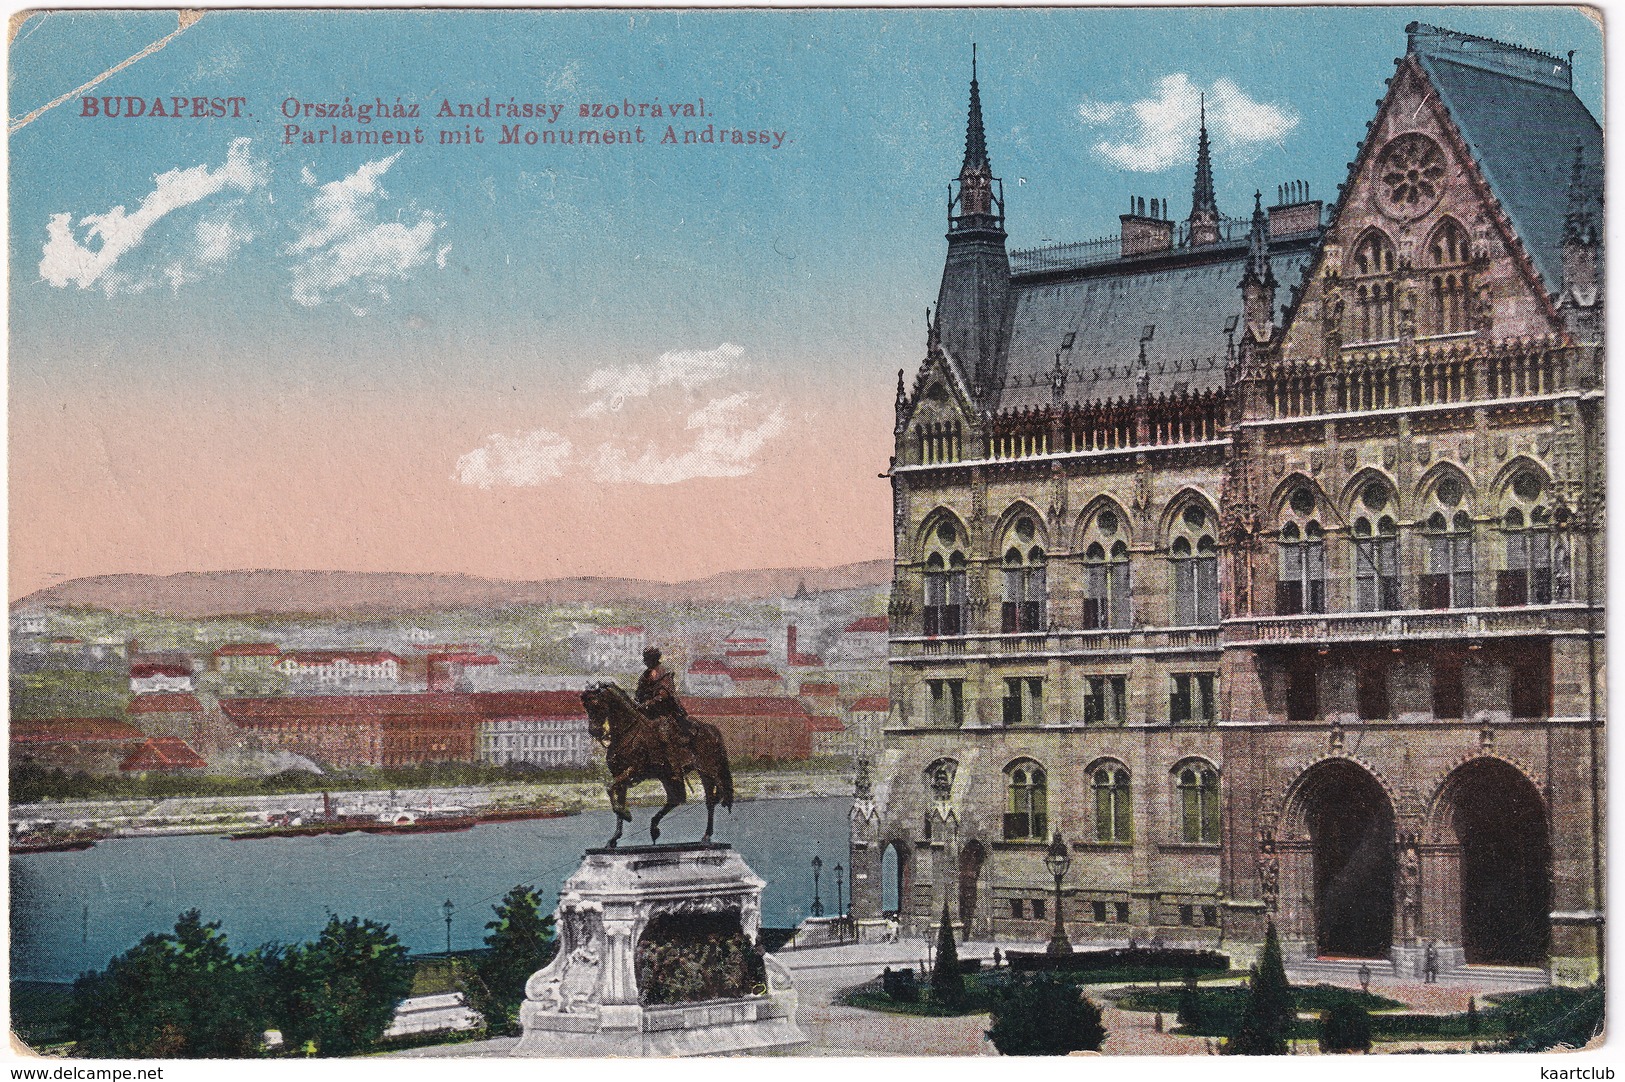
(1412, 170)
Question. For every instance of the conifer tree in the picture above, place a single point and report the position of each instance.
(947, 982)
(1269, 1013)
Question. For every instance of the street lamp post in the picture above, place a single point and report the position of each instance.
(818, 904)
(1058, 861)
(448, 908)
(840, 904)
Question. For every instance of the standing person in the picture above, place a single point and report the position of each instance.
(657, 696)
(1430, 965)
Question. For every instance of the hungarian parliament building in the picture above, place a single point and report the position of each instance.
(1260, 559)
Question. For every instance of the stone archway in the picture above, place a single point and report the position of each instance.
(894, 879)
(1338, 856)
(1497, 820)
(972, 858)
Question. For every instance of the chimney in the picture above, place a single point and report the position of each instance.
(790, 644)
(1294, 211)
(1143, 232)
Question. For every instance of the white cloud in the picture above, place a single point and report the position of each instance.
(685, 368)
(1156, 133)
(653, 439)
(728, 434)
(69, 259)
(520, 460)
(346, 247)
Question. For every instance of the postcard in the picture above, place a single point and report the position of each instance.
(806, 532)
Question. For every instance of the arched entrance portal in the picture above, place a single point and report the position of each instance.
(1350, 826)
(1499, 820)
(893, 868)
(971, 859)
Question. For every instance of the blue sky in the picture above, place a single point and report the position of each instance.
(494, 280)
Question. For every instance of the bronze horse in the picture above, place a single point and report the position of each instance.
(637, 753)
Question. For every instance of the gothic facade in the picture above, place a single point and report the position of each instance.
(1278, 605)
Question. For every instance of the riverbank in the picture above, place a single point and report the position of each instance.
(147, 816)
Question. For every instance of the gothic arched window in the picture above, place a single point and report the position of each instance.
(945, 585)
(1376, 551)
(1373, 257)
(1449, 285)
(1194, 557)
(1026, 813)
(1026, 588)
(1198, 787)
(1448, 582)
(1538, 569)
(1300, 585)
(1113, 816)
(1106, 589)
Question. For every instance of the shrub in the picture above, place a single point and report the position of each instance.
(520, 942)
(1044, 1017)
(180, 995)
(689, 958)
(341, 991)
(1345, 1027)
(1189, 1014)
(947, 980)
(1268, 1014)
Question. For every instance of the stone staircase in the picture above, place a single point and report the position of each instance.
(1346, 971)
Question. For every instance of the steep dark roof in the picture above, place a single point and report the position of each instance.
(1522, 123)
(1107, 307)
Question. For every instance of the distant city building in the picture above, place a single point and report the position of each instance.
(147, 677)
(866, 721)
(754, 680)
(793, 655)
(829, 738)
(91, 745)
(862, 640)
(708, 676)
(615, 649)
(544, 728)
(745, 647)
(167, 754)
(247, 657)
(341, 666)
(757, 726)
(448, 672)
(361, 730)
(167, 713)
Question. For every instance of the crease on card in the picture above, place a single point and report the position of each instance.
(185, 20)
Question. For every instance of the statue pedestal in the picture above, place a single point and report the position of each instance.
(587, 1001)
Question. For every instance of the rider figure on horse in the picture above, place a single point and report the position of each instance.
(657, 696)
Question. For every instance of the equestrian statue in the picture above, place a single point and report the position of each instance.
(652, 738)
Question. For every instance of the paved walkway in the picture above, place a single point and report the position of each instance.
(822, 973)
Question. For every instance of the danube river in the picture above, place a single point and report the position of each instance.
(73, 911)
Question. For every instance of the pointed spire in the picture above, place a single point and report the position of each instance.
(1258, 248)
(975, 138)
(1578, 225)
(1202, 198)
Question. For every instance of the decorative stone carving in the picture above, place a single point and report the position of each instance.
(587, 1001)
(1269, 871)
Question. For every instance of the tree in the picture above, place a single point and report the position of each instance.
(1044, 1017)
(947, 982)
(1345, 1027)
(1190, 1004)
(181, 994)
(342, 990)
(1268, 1015)
(518, 943)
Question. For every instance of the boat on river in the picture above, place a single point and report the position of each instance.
(56, 841)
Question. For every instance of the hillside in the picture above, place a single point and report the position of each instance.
(230, 593)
